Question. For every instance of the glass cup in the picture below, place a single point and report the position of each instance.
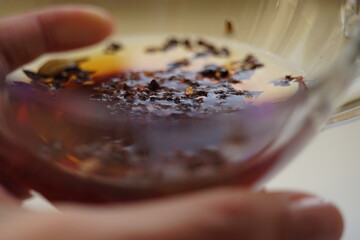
(152, 158)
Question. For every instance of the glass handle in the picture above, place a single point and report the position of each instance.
(350, 110)
(347, 113)
(350, 16)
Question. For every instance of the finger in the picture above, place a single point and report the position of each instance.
(25, 37)
(228, 214)
(222, 214)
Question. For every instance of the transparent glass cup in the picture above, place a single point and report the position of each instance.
(243, 148)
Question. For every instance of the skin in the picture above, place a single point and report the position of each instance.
(228, 213)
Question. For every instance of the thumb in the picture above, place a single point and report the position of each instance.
(221, 214)
(232, 214)
(25, 37)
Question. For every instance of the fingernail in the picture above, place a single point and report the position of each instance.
(314, 219)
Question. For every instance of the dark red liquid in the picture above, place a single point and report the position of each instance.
(144, 134)
(22, 171)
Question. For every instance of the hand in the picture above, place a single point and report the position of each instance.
(229, 214)
(25, 37)
(223, 214)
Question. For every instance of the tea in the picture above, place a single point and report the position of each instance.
(150, 79)
(207, 67)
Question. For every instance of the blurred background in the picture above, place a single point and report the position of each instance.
(329, 167)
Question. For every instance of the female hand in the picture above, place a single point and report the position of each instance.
(226, 214)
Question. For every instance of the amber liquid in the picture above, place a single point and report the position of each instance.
(71, 160)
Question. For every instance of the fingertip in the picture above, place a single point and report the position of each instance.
(309, 217)
(337, 223)
(279, 215)
(73, 26)
(313, 218)
(98, 13)
(27, 36)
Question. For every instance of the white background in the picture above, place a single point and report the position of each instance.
(329, 167)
